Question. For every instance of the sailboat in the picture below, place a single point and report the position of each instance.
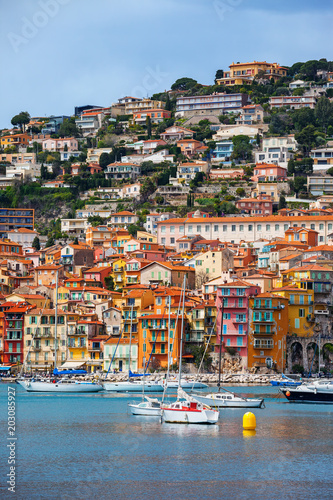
(228, 399)
(54, 384)
(131, 385)
(189, 411)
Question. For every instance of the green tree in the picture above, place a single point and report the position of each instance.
(96, 220)
(183, 84)
(242, 148)
(219, 74)
(306, 138)
(22, 119)
(69, 129)
(148, 124)
(240, 192)
(109, 282)
(324, 111)
(147, 188)
(50, 242)
(36, 243)
(282, 202)
(104, 160)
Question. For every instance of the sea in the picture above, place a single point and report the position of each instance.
(89, 446)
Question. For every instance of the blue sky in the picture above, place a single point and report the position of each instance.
(57, 54)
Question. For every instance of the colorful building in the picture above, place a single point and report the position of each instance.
(268, 329)
(233, 298)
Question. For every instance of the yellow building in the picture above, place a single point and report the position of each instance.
(244, 73)
(145, 236)
(300, 309)
(119, 273)
(39, 338)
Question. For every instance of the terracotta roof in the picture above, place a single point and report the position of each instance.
(290, 257)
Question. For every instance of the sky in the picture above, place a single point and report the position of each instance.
(58, 54)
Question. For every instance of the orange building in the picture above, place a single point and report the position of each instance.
(46, 275)
(303, 235)
(154, 339)
(15, 140)
(268, 328)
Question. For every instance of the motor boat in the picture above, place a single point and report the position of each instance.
(285, 382)
(320, 391)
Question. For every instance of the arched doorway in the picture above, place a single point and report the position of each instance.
(312, 354)
(296, 357)
(327, 356)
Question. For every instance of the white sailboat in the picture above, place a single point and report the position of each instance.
(149, 407)
(189, 411)
(228, 399)
(54, 384)
(132, 385)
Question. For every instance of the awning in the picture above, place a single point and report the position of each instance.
(72, 364)
(5, 368)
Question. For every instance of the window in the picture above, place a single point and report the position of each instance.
(250, 227)
(321, 227)
(225, 228)
(285, 227)
(277, 227)
(172, 229)
(312, 226)
(268, 227)
(301, 313)
(190, 229)
(216, 228)
(259, 227)
(172, 241)
(233, 227)
(241, 227)
(163, 229)
(198, 229)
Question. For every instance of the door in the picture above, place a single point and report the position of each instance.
(120, 365)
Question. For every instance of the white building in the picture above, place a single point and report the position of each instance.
(153, 218)
(237, 229)
(122, 171)
(23, 236)
(278, 155)
(74, 227)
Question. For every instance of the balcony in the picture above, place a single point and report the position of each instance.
(263, 321)
(322, 312)
(310, 318)
(234, 305)
(94, 349)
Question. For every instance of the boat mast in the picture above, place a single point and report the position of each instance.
(168, 369)
(220, 351)
(56, 322)
(130, 345)
(181, 338)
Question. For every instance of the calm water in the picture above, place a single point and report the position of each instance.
(88, 446)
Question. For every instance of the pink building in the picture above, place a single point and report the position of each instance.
(226, 173)
(255, 206)
(66, 144)
(268, 172)
(235, 316)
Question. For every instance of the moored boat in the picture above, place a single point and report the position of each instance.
(62, 385)
(189, 411)
(133, 386)
(149, 407)
(229, 400)
(313, 392)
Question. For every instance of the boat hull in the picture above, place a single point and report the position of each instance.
(132, 387)
(307, 396)
(186, 385)
(190, 417)
(76, 387)
(147, 411)
(225, 403)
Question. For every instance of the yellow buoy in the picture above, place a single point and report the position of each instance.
(249, 421)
